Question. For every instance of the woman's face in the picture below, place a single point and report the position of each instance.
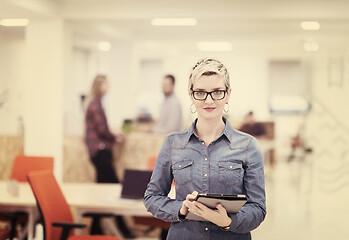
(209, 108)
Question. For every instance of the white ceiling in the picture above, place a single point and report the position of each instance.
(217, 20)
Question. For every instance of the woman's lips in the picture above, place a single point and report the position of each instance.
(209, 109)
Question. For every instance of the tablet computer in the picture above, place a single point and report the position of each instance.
(231, 202)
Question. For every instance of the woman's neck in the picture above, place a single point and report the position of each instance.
(209, 130)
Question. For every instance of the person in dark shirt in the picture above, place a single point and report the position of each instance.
(99, 140)
(251, 127)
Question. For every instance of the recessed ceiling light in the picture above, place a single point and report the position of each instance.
(174, 21)
(14, 22)
(215, 46)
(310, 25)
(104, 46)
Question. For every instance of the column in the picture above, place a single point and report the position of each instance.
(43, 96)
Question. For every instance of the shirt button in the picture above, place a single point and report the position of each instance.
(205, 174)
(206, 229)
(203, 142)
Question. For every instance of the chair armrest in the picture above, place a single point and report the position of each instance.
(66, 227)
(93, 214)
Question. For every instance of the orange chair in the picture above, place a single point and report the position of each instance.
(54, 209)
(151, 162)
(21, 166)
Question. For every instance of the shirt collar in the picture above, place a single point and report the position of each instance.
(227, 132)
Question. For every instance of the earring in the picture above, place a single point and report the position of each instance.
(224, 109)
(191, 108)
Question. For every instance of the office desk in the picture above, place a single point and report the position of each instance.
(24, 202)
(84, 197)
(102, 197)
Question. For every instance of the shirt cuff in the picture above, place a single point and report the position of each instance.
(234, 222)
(178, 216)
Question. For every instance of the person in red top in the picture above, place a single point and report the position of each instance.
(99, 140)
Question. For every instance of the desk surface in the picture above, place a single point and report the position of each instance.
(83, 196)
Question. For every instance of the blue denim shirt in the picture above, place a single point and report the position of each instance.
(232, 164)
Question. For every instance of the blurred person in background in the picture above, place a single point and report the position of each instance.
(252, 127)
(170, 119)
(209, 157)
(99, 140)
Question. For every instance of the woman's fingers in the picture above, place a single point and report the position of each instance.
(218, 216)
(192, 196)
(193, 206)
(220, 208)
(196, 208)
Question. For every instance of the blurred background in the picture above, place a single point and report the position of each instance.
(288, 62)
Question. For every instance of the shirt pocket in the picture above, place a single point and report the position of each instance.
(230, 172)
(182, 171)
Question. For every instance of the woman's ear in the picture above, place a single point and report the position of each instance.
(228, 94)
(191, 96)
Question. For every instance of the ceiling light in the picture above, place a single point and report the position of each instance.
(104, 46)
(215, 46)
(173, 22)
(310, 25)
(14, 22)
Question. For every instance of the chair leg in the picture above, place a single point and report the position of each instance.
(164, 232)
(13, 232)
(96, 226)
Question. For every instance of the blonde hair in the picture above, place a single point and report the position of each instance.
(208, 66)
(95, 91)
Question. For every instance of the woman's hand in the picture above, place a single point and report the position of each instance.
(190, 198)
(217, 216)
(119, 137)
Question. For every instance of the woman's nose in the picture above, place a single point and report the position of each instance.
(209, 99)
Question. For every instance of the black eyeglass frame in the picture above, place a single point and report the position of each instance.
(209, 93)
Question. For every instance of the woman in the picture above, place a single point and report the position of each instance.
(98, 138)
(209, 157)
(99, 141)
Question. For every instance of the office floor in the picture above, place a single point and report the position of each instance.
(288, 191)
(296, 208)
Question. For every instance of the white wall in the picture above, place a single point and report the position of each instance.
(248, 71)
(11, 75)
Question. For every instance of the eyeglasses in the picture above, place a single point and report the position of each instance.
(215, 95)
